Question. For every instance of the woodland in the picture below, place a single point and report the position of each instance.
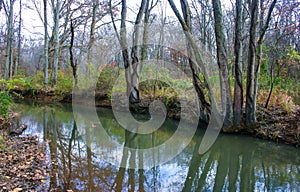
(249, 48)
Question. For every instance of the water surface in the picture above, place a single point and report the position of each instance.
(79, 163)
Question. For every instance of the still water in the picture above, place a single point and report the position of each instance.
(80, 163)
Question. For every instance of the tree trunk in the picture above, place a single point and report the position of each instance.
(72, 62)
(134, 89)
(255, 51)
(124, 46)
(238, 51)
(56, 42)
(7, 73)
(204, 104)
(92, 37)
(45, 44)
(223, 66)
(19, 41)
(262, 31)
(145, 32)
(250, 89)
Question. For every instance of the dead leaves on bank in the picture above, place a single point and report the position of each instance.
(22, 165)
(278, 124)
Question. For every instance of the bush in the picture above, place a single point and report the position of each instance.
(5, 103)
(19, 83)
(64, 83)
(279, 98)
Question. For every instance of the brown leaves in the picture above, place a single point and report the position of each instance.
(22, 165)
(278, 124)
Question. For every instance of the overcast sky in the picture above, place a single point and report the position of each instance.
(33, 26)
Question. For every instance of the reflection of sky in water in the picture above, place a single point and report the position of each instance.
(276, 167)
(34, 127)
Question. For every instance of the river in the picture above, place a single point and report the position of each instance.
(79, 162)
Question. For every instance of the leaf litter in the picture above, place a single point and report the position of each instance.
(23, 164)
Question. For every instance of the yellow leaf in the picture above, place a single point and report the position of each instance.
(43, 180)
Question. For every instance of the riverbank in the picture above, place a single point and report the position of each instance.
(275, 123)
(279, 125)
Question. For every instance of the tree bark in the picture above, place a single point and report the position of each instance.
(255, 51)
(205, 105)
(134, 79)
(19, 40)
(46, 64)
(124, 46)
(9, 42)
(262, 31)
(238, 51)
(250, 89)
(72, 62)
(56, 8)
(92, 36)
(222, 63)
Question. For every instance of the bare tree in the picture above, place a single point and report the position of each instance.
(72, 61)
(95, 5)
(254, 60)
(56, 16)
(46, 59)
(238, 51)
(9, 10)
(17, 63)
(198, 85)
(222, 63)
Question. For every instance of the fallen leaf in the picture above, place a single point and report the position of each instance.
(17, 189)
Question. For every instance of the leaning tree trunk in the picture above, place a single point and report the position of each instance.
(223, 66)
(204, 104)
(238, 51)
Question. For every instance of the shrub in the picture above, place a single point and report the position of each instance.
(19, 83)
(279, 98)
(64, 82)
(5, 103)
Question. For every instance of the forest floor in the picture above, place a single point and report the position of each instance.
(23, 164)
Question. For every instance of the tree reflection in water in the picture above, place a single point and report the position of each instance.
(234, 163)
